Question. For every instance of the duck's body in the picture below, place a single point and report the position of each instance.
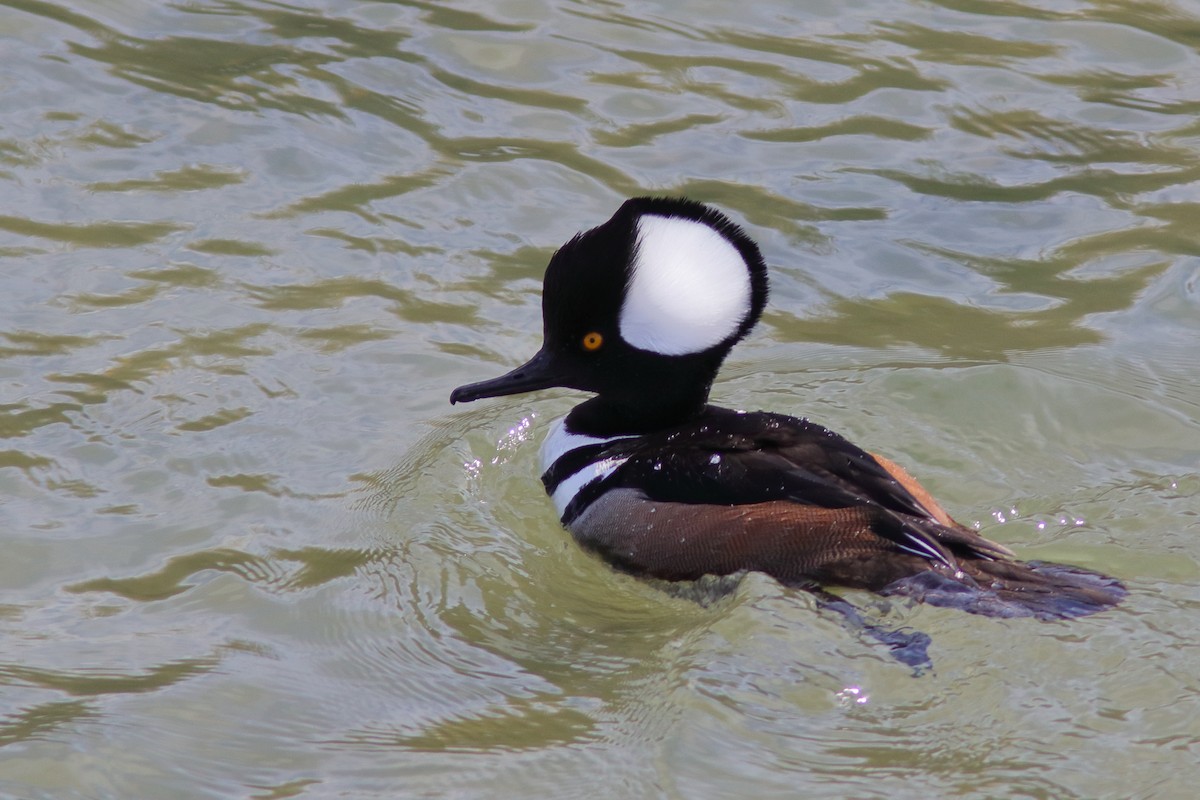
(729, 491)
(642, 311)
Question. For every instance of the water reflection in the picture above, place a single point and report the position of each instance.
(962, 331)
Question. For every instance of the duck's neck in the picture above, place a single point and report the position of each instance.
(604, 417)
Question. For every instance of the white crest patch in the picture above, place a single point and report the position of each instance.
(690, 288)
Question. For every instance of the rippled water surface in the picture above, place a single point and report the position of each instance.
(247, 249)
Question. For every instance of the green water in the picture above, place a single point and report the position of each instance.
(247, 549)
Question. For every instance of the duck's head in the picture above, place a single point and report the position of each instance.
(641, 311)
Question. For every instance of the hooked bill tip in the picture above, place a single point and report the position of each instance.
(460, 396)
(538, 373)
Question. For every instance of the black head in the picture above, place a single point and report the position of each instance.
(642, 310)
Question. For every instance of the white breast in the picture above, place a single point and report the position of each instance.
(559, 442)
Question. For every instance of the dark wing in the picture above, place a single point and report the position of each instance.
(731, 459)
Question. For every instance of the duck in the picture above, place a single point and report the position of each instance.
(640, 312)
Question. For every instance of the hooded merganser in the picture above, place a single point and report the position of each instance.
(641, 311)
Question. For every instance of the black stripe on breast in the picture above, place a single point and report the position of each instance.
(587, 494)
(571, 462)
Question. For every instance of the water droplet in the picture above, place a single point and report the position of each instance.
(714, 459)
(852, 696)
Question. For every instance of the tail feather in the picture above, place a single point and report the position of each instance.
(1005, 588)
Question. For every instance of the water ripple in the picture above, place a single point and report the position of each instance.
(250, 246)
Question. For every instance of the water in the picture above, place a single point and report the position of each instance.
(248, 248)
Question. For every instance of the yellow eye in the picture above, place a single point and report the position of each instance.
(592, 341)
